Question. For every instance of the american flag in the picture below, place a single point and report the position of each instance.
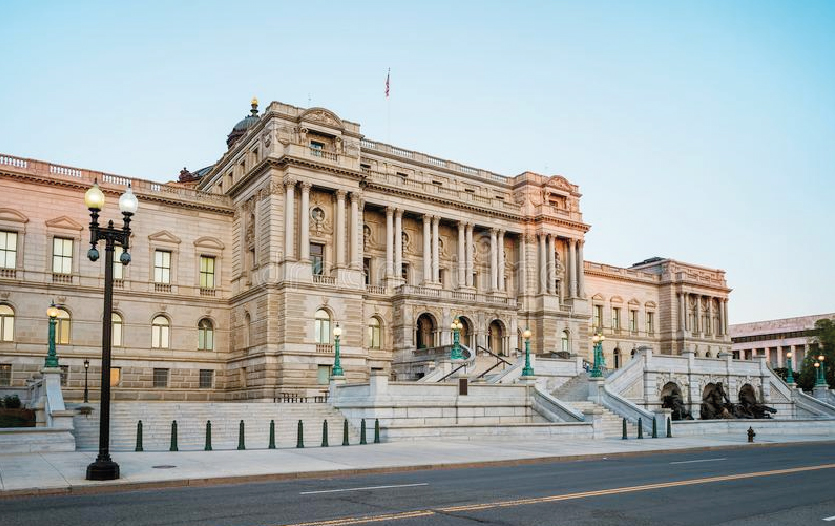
(388, 77)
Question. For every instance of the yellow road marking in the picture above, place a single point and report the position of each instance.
(347, 521)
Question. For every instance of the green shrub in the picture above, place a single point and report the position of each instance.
(11, 402)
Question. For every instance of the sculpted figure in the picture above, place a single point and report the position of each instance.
(675, 402)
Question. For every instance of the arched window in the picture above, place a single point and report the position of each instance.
(565, 345)
(205, 335)
(159, 332)
(62, 330)
(374, 333)
(116, 330)
(6, 323)
(323, 326)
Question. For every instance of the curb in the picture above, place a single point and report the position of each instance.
(116, 487)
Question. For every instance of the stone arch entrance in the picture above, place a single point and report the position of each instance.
(467, 329)
(672, 399)
(495, 337)
(425, 331)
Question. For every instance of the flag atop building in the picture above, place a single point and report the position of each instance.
(388, 79)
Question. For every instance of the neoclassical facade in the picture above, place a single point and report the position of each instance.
(240, 271)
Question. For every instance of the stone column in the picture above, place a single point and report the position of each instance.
(469, 256)
(355, 232)
(289, 218)
(494, 261)
(436, 252)
(304, 219)
(340, 228)
(500, 256)
(724, 307)
(543, 264)
(551, 247)
(462, 264)
(572, 262)
(698, 325)
(522, 271)
(581, 271)
(682, 312)
(398, 243)
(389, 242)
(427, 248)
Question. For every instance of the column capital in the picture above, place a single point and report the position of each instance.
(289, 180)
(306, 186)
(389, 211)
(427, 219)
(398, 212)
(340, 194)
(436, 219)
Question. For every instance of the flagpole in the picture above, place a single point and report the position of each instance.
(388, 106)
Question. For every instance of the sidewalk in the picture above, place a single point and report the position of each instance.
(61, 473)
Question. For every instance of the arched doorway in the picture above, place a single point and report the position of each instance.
(425, 331)
(616, 358)
(466, 333)
(495, 337)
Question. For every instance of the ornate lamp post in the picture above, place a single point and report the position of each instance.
(527, 370)
(790, 375)
(456, 353)
(86, 367)
(51, 357)
(596, 371)
(104, 468)
(821, 370)
(337, 367)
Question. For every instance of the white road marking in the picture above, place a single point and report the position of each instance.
(360, 489)
(694, 461)
(830, 519)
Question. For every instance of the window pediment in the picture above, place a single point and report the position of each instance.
(209, 242)
(7, 214)
(64, 222)
(164, 236)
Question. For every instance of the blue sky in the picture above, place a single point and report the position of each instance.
(701, 131)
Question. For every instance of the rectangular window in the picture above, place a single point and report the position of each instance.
(366, 269)
(598, 317)
(316, 148)
(207, 376)
(207, 272)
(633, 321)
(615, 318)
(65, 373)
(323, 373)
(162, 266)
(160, 377)
(650, 323)
(8, 249)
(115, 376)
(118, 267)
(5, 374)
(61, 255)
(404, 273)
(317, 258)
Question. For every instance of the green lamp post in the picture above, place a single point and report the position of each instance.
(527, 370)
(456, 353)
(337, 367)
(789, 375)
(597, 363)
(51, 356)
(821, 368)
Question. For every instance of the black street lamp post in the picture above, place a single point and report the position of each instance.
(104, 468)
(86, 393)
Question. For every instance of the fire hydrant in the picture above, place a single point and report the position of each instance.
(751, 435)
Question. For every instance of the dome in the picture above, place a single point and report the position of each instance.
(246, 123)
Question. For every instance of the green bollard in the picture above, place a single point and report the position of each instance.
(272, 435)
(139, 436)
(362, 432)
(376, 430)
(325, 434)
(173, 436)
(208, 446)
(345, 434)
(669, 429)
(624, 430)
(300, 435)
(654, 430)
(640, 428)
(241, 440)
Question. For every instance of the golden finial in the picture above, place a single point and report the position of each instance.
(254, 100)
(254, 103)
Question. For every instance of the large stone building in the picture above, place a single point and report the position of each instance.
(775, 339)
(241, 270)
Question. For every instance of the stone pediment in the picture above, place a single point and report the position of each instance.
(7, 214)
(64, 222)
(633, 301)
(598, 297)
(321, 116)
(209, 242)
(616, 299)
(650, 304)
(164, 236)
(559, 182)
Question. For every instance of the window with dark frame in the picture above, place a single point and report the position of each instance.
(206, 378)
(160, 377)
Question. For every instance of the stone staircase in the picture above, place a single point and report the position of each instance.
(225, 417)
(575, 393)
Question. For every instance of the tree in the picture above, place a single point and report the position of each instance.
(825, 338)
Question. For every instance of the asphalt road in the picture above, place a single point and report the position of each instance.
(789, 485)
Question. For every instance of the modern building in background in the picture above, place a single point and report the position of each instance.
(774, 339)
(241, 270)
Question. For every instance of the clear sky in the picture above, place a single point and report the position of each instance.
(702, 131)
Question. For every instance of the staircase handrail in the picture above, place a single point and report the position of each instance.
(482, 375)
(818, 408)
(510, 371)
(547, 405)
(491, 353)
(624, 408)
(453, 372)
(622, 378)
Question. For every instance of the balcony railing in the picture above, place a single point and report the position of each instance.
(376, 289)
(62, 278)
(325, 280)
(162, 287)
(324, 154)
(455, 295)
(207, 293)
(324, 348)
(8, 273)
(118, 283)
